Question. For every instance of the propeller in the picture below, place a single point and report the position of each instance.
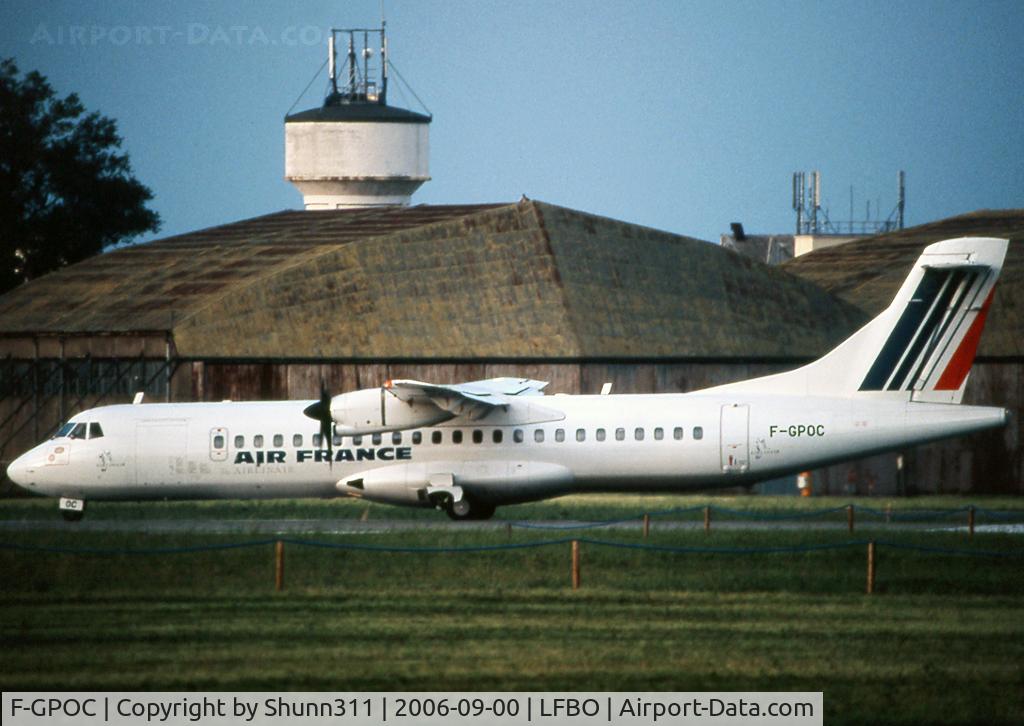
(321, 411)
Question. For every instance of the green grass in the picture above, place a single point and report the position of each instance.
(579, 507)
(942, 641)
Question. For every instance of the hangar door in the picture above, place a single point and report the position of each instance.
(735, 438)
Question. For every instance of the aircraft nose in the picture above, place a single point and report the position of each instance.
(17, 471)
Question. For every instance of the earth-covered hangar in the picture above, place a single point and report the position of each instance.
(266, 308)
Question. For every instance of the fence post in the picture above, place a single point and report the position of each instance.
(871, 567)
(970, 521)
(707, 520)
(279, 566)
(575, 564)
(849, 517)
(647, 524)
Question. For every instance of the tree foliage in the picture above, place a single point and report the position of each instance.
(66, 190)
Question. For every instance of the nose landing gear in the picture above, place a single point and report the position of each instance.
(72, 509)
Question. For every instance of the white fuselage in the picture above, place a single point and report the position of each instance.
(625, 443)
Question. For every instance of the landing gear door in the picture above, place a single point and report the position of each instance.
(735, 438)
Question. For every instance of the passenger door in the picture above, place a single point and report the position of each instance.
(735, 432)
(161, 453)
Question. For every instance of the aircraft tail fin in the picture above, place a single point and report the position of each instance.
(921, 346)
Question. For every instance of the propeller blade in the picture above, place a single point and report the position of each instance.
(321, 411)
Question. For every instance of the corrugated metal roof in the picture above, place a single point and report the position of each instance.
(527, 280)
(867, 273)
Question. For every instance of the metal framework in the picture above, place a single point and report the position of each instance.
(34, 385)
(812, 218)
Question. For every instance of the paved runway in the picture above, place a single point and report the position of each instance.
(551, 528)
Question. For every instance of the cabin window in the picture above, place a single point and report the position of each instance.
(517, 436)
(357, 440)
(336, 439)
(620, 434)
(497, 436)
(559, 435)
(257, 441)
(318, 441)
(599, 434)
(456, 436)
(538, 436)
(638, 433)
(581, 434)
(297, 440)
(218, 444)
(417, 437)
(698, 432)
(95, 432)
(239, 442)
(396, 438)
(659, 433)
(436, 437)
(278, 441)
(478, 436)
(78, 432)
(376, 438)
(677, 433)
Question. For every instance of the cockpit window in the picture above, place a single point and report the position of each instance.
(78, 432)
(64, 430)
(95, 431)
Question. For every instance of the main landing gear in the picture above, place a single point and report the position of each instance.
(467, 509)
(72, 509)
(459, 507)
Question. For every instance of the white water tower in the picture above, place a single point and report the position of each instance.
(355, 150)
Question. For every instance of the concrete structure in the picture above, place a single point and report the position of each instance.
(356, 155)
(775, 249)
(355, 150)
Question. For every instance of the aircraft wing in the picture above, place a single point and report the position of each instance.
(474, 400)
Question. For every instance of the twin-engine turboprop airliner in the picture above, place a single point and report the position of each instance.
(470, 447)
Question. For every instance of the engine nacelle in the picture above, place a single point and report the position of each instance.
(388, 485)
(373, 410)
(500, 481)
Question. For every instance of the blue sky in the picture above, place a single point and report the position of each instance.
(684, 116)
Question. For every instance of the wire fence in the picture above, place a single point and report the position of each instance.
(465, 549)
(576, 542)
(886, 515)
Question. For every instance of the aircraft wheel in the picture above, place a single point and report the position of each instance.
(466, 509)
(459, 510)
